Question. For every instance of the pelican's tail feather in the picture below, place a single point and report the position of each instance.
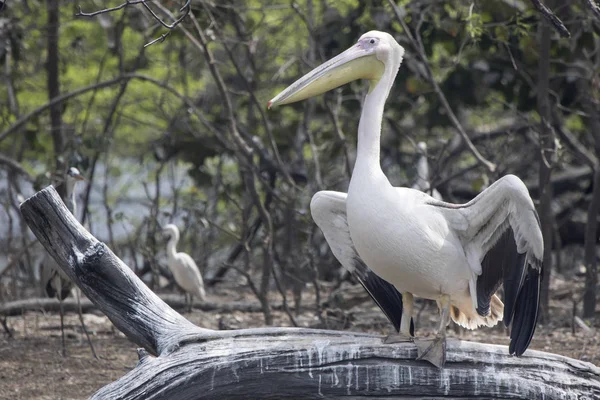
(466, 316)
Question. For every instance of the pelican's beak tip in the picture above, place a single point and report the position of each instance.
(269, 104)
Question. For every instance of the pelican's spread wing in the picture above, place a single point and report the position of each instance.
(502, 237)
(328, 210)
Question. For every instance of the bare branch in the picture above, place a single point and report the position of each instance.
(594, 7)
(15, 166)
(553, 19)
(578, 148)
(80, 13)
(57, 100)
(185, 11)
(419, 49)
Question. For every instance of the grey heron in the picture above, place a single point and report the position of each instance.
(56, 283)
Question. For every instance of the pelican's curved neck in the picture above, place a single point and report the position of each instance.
(171, 246)
(369, 127)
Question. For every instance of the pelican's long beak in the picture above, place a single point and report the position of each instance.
(354, 63)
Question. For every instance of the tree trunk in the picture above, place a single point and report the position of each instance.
(546, 157)
(272, 363)
(591, 105)
(591, 265)
(52, 67)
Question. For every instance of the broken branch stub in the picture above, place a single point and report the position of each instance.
(274, 363)
(134, 309)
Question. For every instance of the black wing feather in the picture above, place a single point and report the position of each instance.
(521, 281)
(385, 295)
(497, 259)
(526, 313)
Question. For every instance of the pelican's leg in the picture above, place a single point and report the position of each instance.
(407, 313)
(434, 350)
(191, 302)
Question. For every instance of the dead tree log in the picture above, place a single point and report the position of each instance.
(272, 363)
(18, 307)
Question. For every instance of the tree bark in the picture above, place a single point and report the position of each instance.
(278, 363)
(546, 157)
(52, 67)
(591, 107)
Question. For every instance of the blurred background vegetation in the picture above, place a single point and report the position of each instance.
(178, 131)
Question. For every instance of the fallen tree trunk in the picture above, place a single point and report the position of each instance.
(274, 363)
(18, 307)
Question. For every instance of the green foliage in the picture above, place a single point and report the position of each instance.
(483, 55)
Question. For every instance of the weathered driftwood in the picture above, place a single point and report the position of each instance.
(195, 363)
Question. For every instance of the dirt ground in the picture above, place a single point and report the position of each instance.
(32, 367)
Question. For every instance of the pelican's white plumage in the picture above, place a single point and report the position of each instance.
(182, 266)
(456, 254)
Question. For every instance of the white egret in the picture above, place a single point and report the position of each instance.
(456, 254)
(422, 182)
(56, 283)
(184, 268)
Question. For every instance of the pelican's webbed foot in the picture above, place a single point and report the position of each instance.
(398, 338)
(432, 350)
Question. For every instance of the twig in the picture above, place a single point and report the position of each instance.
(161, 39)
(340, 136)
(57, 100)
(14, 261)
(80, 13)
(553, 19)
(252, 95)
(185, 10)
(15, 166)
(594, 7)
(419, 49)
(284, 298)
(579, 150)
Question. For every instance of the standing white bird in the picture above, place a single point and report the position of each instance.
(56, 283)
(184, 268)
(456, 254)
(422, 182)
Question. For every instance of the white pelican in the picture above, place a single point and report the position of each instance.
(184, 268)
(56, 283)
(422, 182)
(456, 254)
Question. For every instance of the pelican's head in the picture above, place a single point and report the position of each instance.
(375, 54)
(422, 147)
(170, 231)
